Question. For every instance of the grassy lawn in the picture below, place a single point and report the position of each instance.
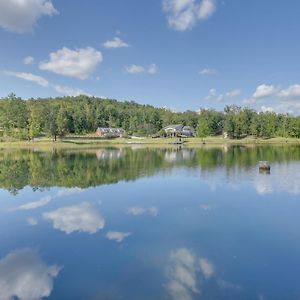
(45, 143)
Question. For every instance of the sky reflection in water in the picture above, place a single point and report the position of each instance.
(150, 224)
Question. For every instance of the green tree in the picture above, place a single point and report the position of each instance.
(62, 122)
(36, 121)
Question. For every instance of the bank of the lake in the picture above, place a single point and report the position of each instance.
(151, 142)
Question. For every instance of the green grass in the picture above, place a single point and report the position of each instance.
(77, 143)
(216, 140)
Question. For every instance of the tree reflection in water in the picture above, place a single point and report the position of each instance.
(82, 169)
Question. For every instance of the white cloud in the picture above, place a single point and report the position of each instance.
(290, 107)
(79, 63)
(21, 15)
(152, 69)
(117, 236)
(286, 99)
(137, 210)
(29, 77)
(115, 43)
(263, 91)
(214, 96)
(184, 14)
(249, 101)
(33, 205)
(290, 93)
(267, 109)
(206, 9)
(135, 69)
(233, 93)
(23, 275)
(208, 71)
(82, 217)
(65, 90)
(28, 60)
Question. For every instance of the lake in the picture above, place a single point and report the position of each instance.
(147, 223)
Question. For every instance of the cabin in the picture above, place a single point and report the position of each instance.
(110, 132)
(179, 130)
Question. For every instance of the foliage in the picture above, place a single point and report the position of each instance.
(81, 115)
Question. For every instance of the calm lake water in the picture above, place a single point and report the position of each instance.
(150, 224)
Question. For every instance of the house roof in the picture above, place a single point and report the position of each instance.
(188, 128)
(110, 129)
(175, 127)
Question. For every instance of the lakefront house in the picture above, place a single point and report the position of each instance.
(110, 132)
(179, 130)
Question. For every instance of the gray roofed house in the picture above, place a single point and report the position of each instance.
(188, 131)
(173, 128)
(179, 130)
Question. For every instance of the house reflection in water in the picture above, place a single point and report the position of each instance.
(175, 155)
(106, 154)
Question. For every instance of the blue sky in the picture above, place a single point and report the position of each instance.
(182, 54)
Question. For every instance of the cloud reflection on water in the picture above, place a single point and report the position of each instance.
(46, 200)
(33, 205)
(81, 217)
(182, 275)
(187, 273)
(32, 221)
(23, 275)
(138, 210)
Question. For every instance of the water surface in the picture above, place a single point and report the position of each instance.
(138, 223)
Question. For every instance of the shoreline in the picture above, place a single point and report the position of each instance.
(143, 142)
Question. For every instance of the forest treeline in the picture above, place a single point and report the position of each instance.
(27, 119)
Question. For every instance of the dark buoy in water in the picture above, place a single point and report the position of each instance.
(264, 167)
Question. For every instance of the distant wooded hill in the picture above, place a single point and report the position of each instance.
(26, 119)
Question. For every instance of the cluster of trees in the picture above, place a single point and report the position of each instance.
(27, 119)
(239, 122)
